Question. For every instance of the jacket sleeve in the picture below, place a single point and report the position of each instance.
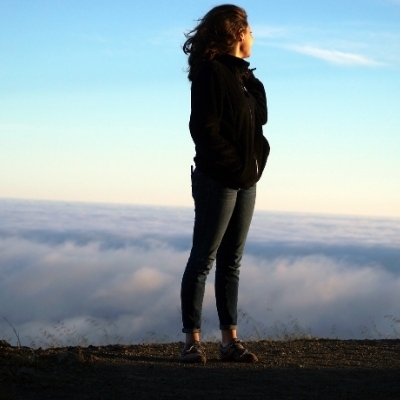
(256, 88)
(207, 101)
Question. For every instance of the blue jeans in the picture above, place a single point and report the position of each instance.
(222, 220)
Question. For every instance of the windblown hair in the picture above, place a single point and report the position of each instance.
(216, 33)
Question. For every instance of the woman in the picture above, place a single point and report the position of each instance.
(228, 109)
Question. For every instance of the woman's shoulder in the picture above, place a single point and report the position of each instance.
(208, 69)
(210, 65)
(215, 67)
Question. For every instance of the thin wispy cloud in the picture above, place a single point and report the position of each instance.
(336, 57)
(270, 32)
(350, 44)
(96, 38)
(169, 38)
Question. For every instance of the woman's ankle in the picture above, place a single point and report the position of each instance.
(192, 337)
(228, 335)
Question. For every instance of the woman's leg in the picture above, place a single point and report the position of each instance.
(228, 261)
(229, 258)
(214, 205)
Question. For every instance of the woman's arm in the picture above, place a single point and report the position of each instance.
(207, 99)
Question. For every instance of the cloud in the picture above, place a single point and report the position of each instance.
(104, 273)
(270, 32)
(336, 57)
(349, 43)
(96, 38)
(323, 294)
(172, 38)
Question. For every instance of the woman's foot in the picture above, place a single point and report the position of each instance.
(193, 352)
(235, 351)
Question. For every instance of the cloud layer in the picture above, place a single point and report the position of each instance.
(101, 273)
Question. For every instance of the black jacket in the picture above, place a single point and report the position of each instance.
(229, 107)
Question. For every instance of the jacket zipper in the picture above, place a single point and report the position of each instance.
(257, 171)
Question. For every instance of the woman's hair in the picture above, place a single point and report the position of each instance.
(216, 33)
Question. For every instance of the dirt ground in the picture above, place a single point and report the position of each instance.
(299, 369)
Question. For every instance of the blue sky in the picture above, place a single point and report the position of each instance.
(94, 102)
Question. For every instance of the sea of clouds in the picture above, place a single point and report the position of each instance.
(74, 273)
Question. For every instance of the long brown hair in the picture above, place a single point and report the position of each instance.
(215, 34)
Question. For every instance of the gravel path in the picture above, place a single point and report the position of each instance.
(299, 369)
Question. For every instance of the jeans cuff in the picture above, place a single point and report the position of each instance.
(191, 330)
(228, 327)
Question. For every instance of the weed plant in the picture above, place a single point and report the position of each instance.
(62, 335)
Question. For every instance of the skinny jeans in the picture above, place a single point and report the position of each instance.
(222, 221)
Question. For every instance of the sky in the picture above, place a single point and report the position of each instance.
(95, 102)
(78, 274)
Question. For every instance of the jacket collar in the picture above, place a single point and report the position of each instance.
(232, 62)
